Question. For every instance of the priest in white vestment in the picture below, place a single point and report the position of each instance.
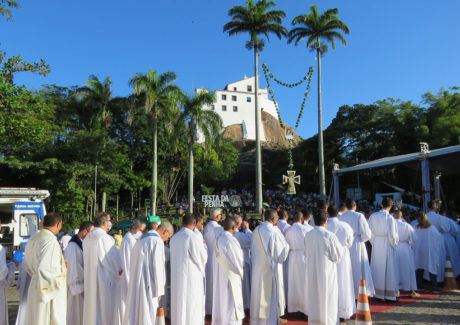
(322, 251)
(211, 231)
(102, 274)
(245, 239)
(47, 296)
(269, 251)
(6, 281)
(75, 274)
(147, 276)
(344, 234)
(426, 250)
(383, 262)
(405, 255)
(282, 221)
(358, 253)
(188, 260)
(295, 236)
(127, 244)
(23, 286)
(228, 308)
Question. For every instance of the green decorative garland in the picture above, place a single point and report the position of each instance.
(307, 77)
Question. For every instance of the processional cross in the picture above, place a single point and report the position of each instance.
(291, 179)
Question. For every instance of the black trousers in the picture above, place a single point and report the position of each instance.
(419, 277)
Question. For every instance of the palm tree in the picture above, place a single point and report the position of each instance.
(156, 89)
(317, 29)
(97, 97)
(206, 121)
(256, 20)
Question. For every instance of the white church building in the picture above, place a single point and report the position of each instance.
(235, 104)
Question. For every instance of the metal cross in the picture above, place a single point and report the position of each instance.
(291, 179)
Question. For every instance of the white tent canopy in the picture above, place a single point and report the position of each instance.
(401, 159)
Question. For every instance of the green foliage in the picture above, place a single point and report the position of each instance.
(5, 8)
(256, 20)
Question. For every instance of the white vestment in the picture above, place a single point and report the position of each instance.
(269, 251)
(165, 302)
(344, 234)
(102, 278)
(295, 236)
(188, 260)
(227, 300)
(147, 279)
(358, 253)
(6, 281)
(245, 240)
(65, 241)
(443, 227)
(383, 263)
(23, 286)
(405, 256)
(47, 297)
(125, 254)
(322, 251)
(451, 247)
(75, 284)
(426, 249)
(283, 225)
(211, 231)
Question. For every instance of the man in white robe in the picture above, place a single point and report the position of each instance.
(75, 274)
(47, 296)
(129, 240)
(245, 239)
(227, 300)
(147, 278)
(188, 260)
(405, 255)
(282, 221)
(383, 263)
(102, 274)
(295, 236)
(22, 285)
(64, 241)
(358, 253)
(344, 234)
(322, 251)
(6, 281)
(210, 233)
(448, 232)
(269, 251)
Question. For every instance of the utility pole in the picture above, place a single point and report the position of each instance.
(95, 189)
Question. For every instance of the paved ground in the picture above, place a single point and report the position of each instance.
(443, 309)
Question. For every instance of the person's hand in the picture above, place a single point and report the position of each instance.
(159, 299)
(66, 264)
(245, 225)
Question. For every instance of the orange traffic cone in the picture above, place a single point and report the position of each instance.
(450, 282)
(160, 316)
(363, 311)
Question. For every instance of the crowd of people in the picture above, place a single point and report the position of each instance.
(307, 259)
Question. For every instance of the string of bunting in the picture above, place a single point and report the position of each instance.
(307, 78)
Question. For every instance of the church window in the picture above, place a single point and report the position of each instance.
(224, 108)
(234, 98)
(248, 99)
(235, 108)
(213, 108)
(234, 88)
(249, 88)
(224, 97)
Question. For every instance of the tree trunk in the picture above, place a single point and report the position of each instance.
(258, 149)
(322, 184)
(190, 167)
(153, 194)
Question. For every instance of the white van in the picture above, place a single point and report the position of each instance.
(21, 210)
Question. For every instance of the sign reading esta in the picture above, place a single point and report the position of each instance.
(214, 201)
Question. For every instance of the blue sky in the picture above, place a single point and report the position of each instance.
(398, 49)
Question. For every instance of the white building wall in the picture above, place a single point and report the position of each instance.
(235, 104)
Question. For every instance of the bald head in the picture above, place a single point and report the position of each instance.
(165, 230)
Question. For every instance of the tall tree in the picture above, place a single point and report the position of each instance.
(256, 19)
(206, 121)
(97, 97)
(156, 89)
(5, 6)
(318, 29)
